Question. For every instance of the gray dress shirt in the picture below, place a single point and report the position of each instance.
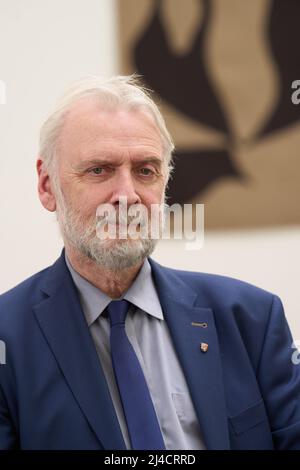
(150, 337)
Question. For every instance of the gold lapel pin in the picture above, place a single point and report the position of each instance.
(204, 347)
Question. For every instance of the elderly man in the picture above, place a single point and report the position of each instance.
(106, 349)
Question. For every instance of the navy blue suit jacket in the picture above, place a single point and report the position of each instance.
(53, 394)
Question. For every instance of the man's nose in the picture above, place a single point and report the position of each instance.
(124, 186)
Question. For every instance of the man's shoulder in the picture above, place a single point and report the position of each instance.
(222, 292)
(16, 301)
(215, 281)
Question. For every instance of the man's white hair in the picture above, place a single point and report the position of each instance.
(118, 92)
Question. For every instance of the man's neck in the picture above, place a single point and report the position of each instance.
(112, 283)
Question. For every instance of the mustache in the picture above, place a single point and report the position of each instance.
(122, 219)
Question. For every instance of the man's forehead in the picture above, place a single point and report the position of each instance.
(89, 124)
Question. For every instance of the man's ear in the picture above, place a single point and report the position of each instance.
(45, 191)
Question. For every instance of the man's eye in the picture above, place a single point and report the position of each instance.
(97, 170)
(146, 171)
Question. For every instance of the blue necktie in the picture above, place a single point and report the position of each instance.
(141, 419)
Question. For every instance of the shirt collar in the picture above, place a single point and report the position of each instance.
(142, 293)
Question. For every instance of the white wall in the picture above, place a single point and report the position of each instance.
(43, 47)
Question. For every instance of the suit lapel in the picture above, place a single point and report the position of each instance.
(202, 370)
(63, 324)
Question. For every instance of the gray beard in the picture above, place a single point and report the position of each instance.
(123, 254)
(114, 255)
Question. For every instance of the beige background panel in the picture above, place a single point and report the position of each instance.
(242, 70)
